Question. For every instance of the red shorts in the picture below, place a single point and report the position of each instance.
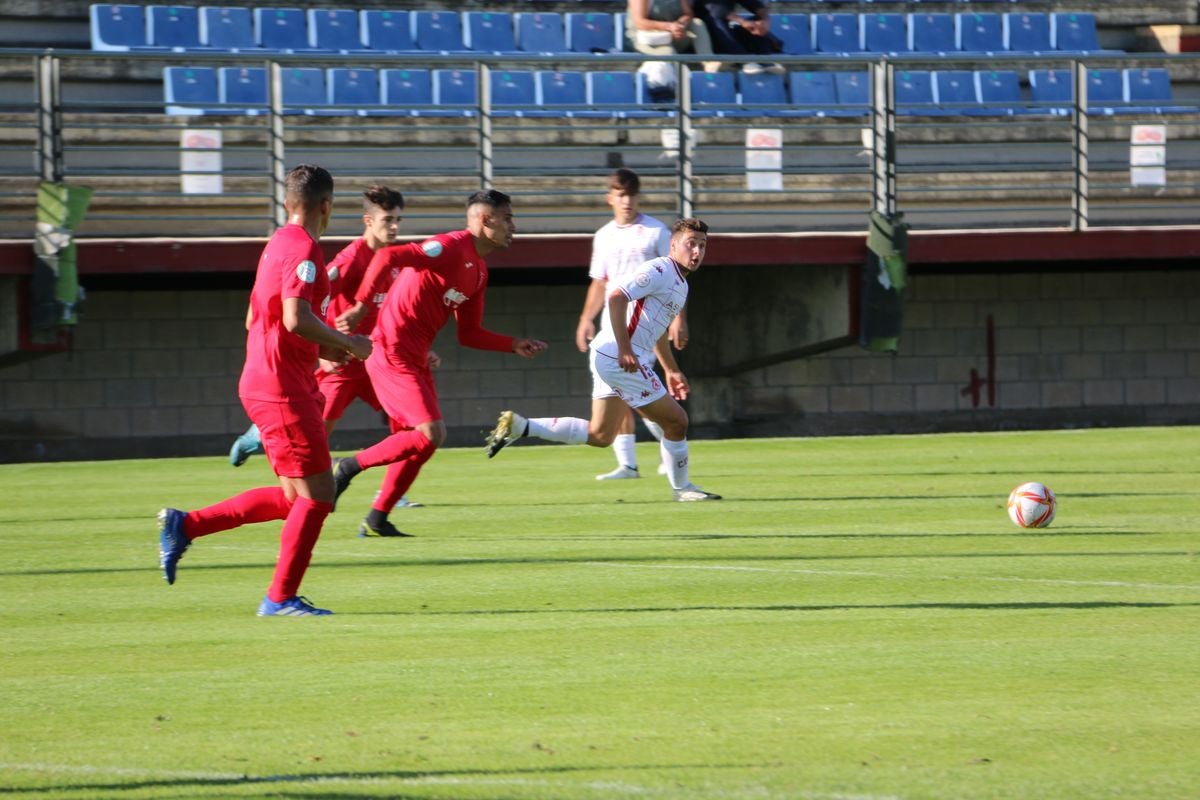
(405, 389)
(341, 388)
(293, 434)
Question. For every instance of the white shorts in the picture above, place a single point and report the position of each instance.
(637, 389)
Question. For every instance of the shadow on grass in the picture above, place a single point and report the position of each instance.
(188, 785)
(722, 558)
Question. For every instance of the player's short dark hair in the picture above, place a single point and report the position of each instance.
(625, 181)
(382, 197)
(307, 185)
(689, 224)
(492, 198)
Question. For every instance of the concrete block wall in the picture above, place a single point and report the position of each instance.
(155, 373)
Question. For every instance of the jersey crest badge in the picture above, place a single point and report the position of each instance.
(454, 298)
(333, 273)
(306, 271)
(431, 248)
(642, 279)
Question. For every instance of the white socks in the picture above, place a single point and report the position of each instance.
(568, 430)
(655, 429)
(675, 456)
(623, 449)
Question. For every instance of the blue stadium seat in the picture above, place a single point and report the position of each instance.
(456, 90)
(1027, 32)
(714, 89)
(794, 32)
(979, 33)
(227, 28)
(540, 33)
(621, 93)
(489, 32)
(117, 27)
(1106, 90)
(243, 90)
(304, 90)
(931, 33)
(1150, 88)
(853, 92)
(386, 31)
(812, 93)
(836, 33)
(884, 33)
(335, 29)
(513, 93)
(283, 29)
(1074, 32)
(437, 31)
(191, 90)
(764, 94)
(914, 93)
(563, 94)
(999, 92)
(954, 91)
(406, 91)
(1051, 90)
(590, 32)
(358, 88)
(176, 27)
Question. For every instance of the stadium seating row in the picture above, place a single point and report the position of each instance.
(340, 30)
(549, 93)
(237, 29)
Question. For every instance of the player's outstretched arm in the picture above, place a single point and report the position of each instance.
(528, 348)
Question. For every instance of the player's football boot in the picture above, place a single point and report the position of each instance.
(406, 503)
(694, 494)
(385, 528)
(343, 473)
(620, 473)
(295, 606)
(510, 427)
(244, 446)
(172, 542)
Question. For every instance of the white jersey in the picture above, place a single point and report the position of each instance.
(656, 293)
(619, 250)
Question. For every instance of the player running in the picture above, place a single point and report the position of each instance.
(619, 249)
(442, 276)
(383, 210)
(285, 337)
(640, 309)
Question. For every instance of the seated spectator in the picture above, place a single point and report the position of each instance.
(733, 34)
(665, 27)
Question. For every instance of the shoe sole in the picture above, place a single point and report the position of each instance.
(498, 439)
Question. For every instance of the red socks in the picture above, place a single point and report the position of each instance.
(395, 448)
(296, 543)
(256, 505)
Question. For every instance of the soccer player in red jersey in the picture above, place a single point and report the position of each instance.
(285, 338)
(442, 276)
(341, 384)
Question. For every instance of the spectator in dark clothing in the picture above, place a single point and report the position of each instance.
(732, 33)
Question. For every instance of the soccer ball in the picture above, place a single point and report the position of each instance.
(1032, 505)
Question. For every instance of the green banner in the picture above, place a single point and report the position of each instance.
(56, 290)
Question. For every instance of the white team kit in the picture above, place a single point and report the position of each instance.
(618, 251)
(657, 292)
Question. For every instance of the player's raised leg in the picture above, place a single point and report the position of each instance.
(244, 446)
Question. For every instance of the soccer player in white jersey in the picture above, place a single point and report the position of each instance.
(640, 309)
(618, 250)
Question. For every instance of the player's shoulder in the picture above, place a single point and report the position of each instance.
(444, 243)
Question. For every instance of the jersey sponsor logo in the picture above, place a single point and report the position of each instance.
(379, 298)
(431, 248)
(454, 298)
(306, 271)
(333, 273)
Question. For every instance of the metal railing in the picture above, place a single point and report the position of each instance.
(101, 120)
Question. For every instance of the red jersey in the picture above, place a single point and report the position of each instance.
(279, 364)
(438, 277)
(346, 272)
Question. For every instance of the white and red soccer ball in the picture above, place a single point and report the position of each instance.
(1032, 505)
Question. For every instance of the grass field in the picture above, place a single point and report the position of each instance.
(858, 619)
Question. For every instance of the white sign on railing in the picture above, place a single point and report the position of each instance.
(1148, 155)
(764, 159)
(200, 161)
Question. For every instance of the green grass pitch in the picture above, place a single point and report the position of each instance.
(857, 620)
